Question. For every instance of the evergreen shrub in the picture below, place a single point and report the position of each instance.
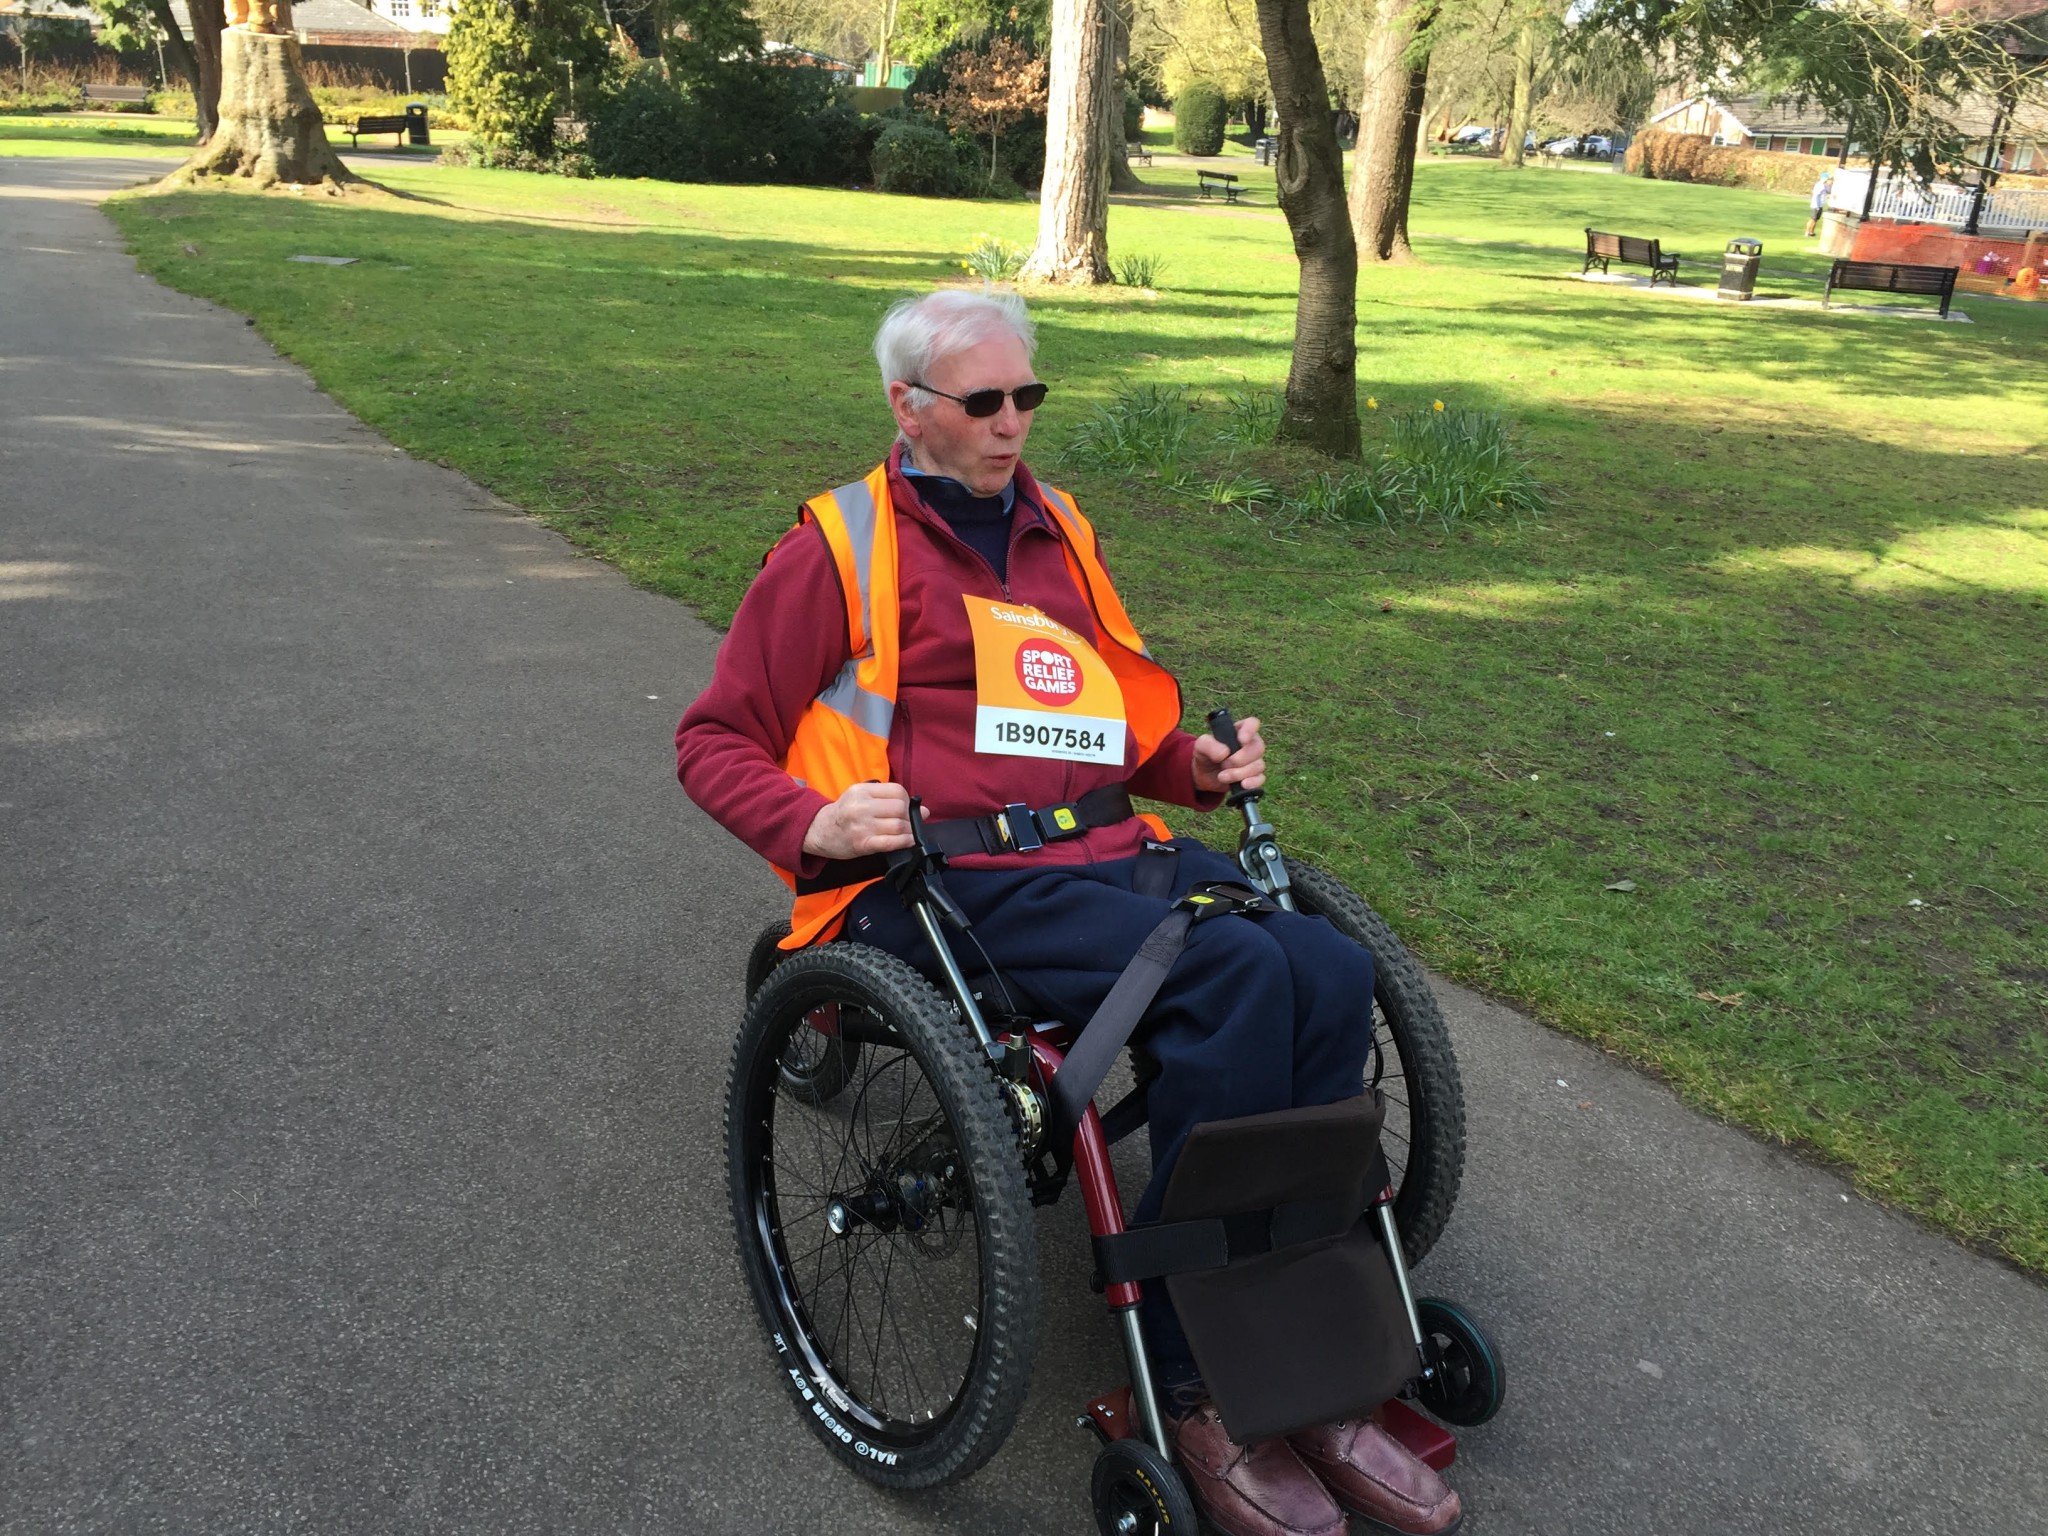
(917, 159)
(744, 120)
(1199, 119)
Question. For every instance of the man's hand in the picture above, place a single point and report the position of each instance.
(1216, 769)
(868, 818)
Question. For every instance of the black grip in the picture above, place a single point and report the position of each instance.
(1223, 726)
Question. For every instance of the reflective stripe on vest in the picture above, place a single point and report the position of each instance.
(842, 738)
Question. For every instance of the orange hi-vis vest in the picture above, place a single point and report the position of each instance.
(842, 738)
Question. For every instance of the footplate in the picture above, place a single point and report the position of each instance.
(1110, 1418)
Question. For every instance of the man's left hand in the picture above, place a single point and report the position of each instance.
(1218, 770)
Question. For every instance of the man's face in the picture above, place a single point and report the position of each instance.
(980, 452)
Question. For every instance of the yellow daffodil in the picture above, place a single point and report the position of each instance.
(1371, 404)
(1439, 405)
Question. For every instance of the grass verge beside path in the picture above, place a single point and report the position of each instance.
(1775, 659)
(135, 135)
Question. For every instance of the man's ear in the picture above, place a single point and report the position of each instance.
(899, 405)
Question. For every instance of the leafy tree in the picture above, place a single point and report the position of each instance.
(991, 89)
(510, 63)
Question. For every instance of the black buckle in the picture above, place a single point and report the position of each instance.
(1222, 898)
(1019, 828)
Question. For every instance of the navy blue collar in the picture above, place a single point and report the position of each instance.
(912, 472)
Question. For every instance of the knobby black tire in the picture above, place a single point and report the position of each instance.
(971, 1103)
(1427, 1188)
(814, 1068)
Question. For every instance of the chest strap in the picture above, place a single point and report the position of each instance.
(1013, 829)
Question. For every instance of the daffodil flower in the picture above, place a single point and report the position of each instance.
(1439, 405)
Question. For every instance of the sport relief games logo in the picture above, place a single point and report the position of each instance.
(1049, 672)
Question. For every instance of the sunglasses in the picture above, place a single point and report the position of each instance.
(986, 402)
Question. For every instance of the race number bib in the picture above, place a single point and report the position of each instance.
(1040, 689)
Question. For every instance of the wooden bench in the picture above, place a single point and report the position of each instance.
(1209, 183)
(396, 122)
(1630, 250)
(115, 95)
(1137, 156)
(1891, 277)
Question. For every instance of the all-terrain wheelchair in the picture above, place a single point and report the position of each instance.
(887, 1139)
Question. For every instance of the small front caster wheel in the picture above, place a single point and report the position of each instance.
(1138, 1493)
(1469, 1380)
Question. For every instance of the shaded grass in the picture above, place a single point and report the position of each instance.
(1775, 655)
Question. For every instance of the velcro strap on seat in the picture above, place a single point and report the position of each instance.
(1185, 1247)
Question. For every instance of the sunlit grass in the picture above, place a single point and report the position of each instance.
(1773, 654)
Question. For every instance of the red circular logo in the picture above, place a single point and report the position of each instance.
(1049, 672)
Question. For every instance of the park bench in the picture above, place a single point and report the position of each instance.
(1630, 250)
(1137, 156)
(1891, 277)
(1209, 183)
(115, 95)
(399, 123)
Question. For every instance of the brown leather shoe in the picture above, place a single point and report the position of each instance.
(1375, 1476)
(1260, 1489)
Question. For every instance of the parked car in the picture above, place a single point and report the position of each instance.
(1472, 133)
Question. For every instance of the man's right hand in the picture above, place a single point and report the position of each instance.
(868, 818)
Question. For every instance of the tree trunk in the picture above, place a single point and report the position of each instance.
(1525, 95)
(1073, 206)
(1121, 177)
(1386, 136)
(209, 20)
(1411, 146)
(1308, 173)
(270, 129)
(180, 50)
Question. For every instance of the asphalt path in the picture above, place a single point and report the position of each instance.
(368, 989)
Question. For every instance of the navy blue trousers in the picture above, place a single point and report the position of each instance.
(1258, 1013)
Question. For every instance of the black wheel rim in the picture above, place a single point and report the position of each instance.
(1386, 1073)
(864, 1214)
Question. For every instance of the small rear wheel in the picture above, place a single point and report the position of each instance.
(1411, 1067)
(1469, 1379)
(885, 1232)
(1137, 1492)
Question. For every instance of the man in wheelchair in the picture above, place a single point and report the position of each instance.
(946, 629)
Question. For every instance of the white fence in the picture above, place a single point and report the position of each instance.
(1899, 197)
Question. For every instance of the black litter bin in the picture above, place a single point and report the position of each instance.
(1738, 269)
(1262, 150)
(416, 123)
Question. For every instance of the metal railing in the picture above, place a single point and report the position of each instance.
(1900, 197)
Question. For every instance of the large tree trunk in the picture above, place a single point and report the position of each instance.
(1322, 380)
(1386, 136)
(1525, 95)
(1073, 205)
(270, 130)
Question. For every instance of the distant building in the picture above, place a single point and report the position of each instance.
(1794, 127)
(789, 53)
(347, 24)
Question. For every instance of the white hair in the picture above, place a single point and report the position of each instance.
(917, 333)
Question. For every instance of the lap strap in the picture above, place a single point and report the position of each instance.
(1113, 1023)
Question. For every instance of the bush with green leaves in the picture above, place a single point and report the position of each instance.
(742, 120)
(994, 259)
(1020, 151)
(917, 159)
(1199, 118)
(1138, 269)
(1134, 115)
(1438, 464)
(1460, 464)
(510, 64)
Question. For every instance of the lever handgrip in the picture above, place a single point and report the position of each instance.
(1223, 726)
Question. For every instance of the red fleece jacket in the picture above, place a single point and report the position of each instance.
(788, 641)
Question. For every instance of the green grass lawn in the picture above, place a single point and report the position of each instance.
(127, 134)
(1776, 656)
